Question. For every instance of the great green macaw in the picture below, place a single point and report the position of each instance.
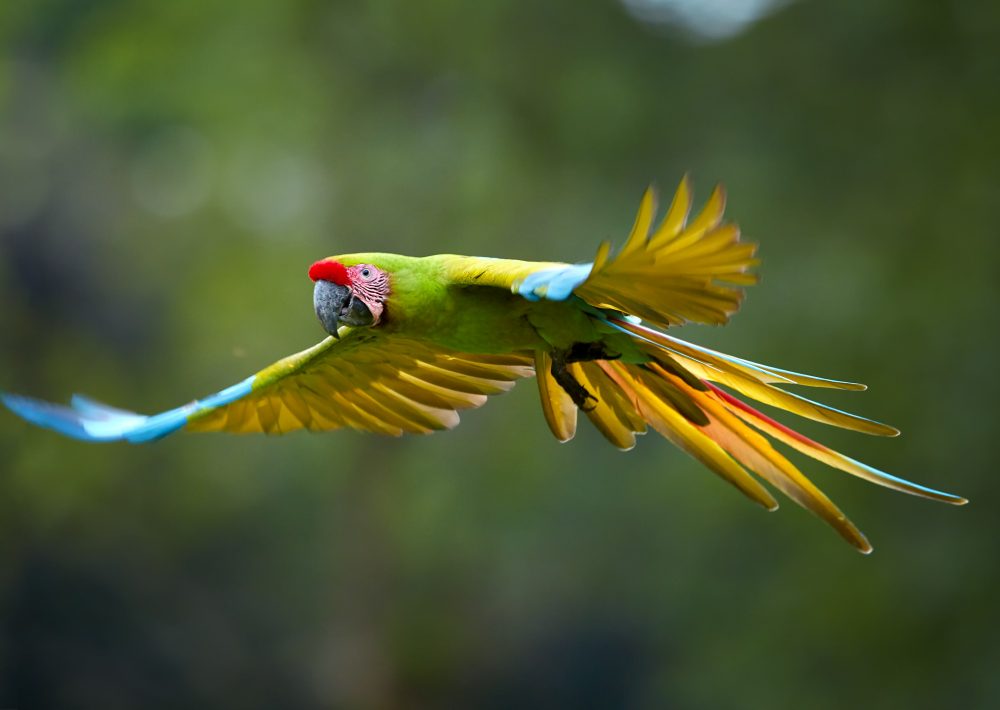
(413, 340)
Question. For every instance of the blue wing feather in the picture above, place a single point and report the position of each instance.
(554, 284)
(89, 420)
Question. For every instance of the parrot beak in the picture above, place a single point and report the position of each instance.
(336, 304)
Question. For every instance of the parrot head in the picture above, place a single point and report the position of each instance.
(350, 295)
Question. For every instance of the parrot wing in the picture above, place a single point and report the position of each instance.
(681, 272)
(363, 380)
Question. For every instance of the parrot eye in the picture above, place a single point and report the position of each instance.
(366, 273)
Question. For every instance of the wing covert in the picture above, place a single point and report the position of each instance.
(507, 274)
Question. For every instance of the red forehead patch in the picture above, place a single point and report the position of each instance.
(330, 271)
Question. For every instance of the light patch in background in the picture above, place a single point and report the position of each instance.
(275, 191)
(712, 20)
(173, 173)
(24, 186)
(33, 124)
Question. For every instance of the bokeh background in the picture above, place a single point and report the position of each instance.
(168, 170)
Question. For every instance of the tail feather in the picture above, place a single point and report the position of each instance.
(752, 380)
(756, 453)
(712, 358)
(608, 413)
(814, 449)
(654, 376)
(812, 381)
(794, 403)
(677, 393)
(597, 373)
(671, 425)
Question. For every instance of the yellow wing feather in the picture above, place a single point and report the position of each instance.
(681, 272)
(387, 385)
(557, 406)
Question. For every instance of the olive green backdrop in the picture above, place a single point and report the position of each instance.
(168, 171)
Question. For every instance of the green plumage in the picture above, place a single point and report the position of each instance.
(454, 302)
(438, 334)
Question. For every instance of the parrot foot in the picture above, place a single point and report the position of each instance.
(588, 352)
(581, 397)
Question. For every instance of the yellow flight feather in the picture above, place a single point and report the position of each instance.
(387, 385)
(681, 272)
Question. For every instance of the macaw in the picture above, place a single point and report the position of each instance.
(411, 341)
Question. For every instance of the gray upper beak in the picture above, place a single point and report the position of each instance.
(336, 304)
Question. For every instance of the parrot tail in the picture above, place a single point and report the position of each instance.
(677, 393)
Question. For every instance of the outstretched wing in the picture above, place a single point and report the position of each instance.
(681, 272)
(364, 380)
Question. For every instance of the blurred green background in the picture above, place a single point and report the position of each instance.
(168, 170)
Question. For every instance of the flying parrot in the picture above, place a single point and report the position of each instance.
(413, 340)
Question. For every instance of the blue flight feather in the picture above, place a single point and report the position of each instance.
(89, 420)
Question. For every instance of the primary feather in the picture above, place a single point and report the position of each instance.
(442, 333)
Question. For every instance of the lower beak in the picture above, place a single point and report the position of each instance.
(336, 304)
(357, 313)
